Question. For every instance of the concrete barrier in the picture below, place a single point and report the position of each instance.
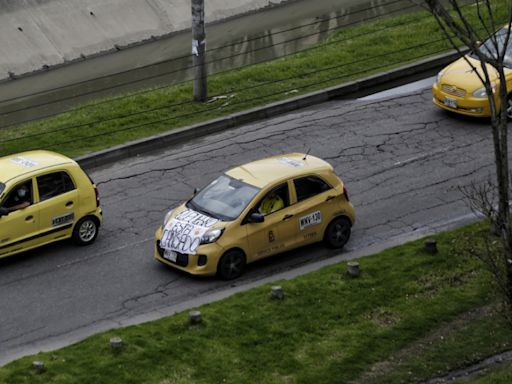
(38, 34)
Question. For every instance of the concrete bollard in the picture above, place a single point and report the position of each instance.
(353, 269)
(277, 292)
(38, 366)
(431, 246)
(195, 317)
(116, 344)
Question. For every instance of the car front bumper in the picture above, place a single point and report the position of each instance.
(467, 105)
(204, 262)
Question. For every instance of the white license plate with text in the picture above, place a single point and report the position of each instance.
(452, 103)
(170, 255)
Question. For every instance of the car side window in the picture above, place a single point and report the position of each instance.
(275, 200)
(54, 184)
(21, 196)
(309, 186)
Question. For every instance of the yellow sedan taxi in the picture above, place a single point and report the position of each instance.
(254, 211)
(45, 197)
(458, 88)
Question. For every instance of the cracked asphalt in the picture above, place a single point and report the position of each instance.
(402, 160)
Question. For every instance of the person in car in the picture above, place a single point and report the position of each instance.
(271, 203)
(21, 199)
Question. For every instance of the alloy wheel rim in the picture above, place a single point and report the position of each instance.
(340, 233)
(233, 266)
(87, 231)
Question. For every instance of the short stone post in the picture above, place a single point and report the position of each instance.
(38, 366)
(277, 292)
(353, 269)
(195, 317)
(116, 344)
(431, 246)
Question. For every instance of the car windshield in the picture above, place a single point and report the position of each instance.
(489, 49)
(224, 198)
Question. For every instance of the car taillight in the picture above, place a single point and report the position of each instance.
(345, 193)
(97, 196)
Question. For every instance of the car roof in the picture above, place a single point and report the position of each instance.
(26, 163)
(267, 171)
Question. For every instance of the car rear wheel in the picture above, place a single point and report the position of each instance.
(231, 265)
(86, 231)
(337, 232)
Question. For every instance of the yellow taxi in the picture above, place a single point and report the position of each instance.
(254, 211)
(458, 88)
(45, 197)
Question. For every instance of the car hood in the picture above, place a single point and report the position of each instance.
(462, 75)
(195, 218)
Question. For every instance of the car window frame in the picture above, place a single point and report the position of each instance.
(297, 201)
(9, 192)
(256, 206)
(75, 187)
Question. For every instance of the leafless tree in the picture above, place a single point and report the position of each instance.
(491, 199)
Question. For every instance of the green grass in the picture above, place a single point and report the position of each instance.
(347, 54)
(410, 316)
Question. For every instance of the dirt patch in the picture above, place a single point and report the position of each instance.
(420, 346)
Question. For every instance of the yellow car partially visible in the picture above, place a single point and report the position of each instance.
(45, 197)
(458, 88)
(254, 211)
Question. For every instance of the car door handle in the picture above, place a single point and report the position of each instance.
(286, 217)
(69, 204)
(29, 218)
(330, 198)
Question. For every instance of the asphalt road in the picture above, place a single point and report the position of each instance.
(402, 160)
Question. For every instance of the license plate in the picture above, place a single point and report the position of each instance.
(170, 255)
(452, 103)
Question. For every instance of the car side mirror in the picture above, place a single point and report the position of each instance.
(3, 211)
(255, 217)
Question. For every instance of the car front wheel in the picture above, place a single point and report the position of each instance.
(509, 107)
(85, 231)
(338, 232)
(231, 265)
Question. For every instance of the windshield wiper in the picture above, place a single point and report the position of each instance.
(197, 208)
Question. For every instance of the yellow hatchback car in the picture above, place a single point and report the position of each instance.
(45, 197)
(458, 88)
(254, 211)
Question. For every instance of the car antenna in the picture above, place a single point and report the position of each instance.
(307, 153)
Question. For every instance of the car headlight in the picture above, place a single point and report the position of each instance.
(211, 236)
(440, 76)
(481, 93)
(168, 216)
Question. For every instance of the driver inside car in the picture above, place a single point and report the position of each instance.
(19, 199)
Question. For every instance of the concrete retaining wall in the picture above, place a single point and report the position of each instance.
(39, 33)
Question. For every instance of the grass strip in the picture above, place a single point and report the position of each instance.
(329, 328)
(346, 55)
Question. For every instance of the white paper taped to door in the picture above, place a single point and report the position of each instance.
(183, 233)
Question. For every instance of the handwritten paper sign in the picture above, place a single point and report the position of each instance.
(183, 233)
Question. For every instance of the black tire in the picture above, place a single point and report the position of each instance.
(86, 231)
(231, 265)
(509, 107)
(337, 232)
